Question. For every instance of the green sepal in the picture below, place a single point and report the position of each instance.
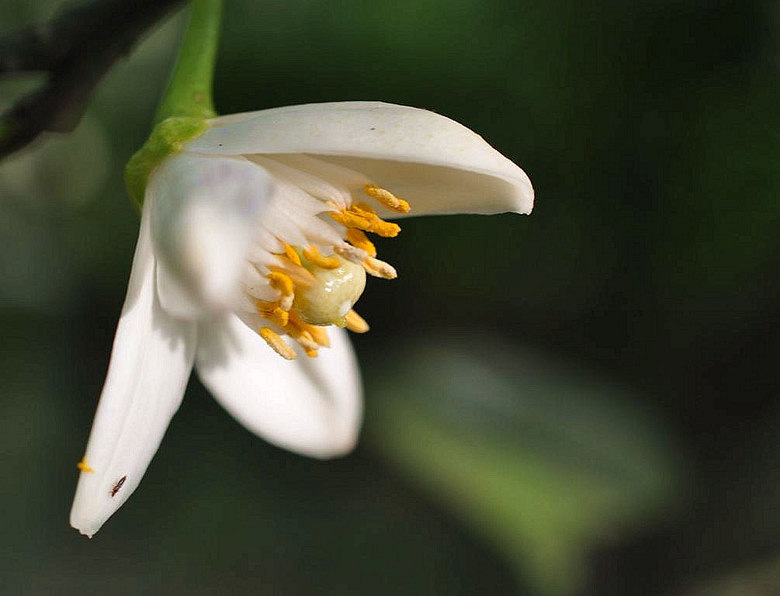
(167, 138)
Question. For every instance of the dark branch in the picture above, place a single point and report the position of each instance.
(77, 49)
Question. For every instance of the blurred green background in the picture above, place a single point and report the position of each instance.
(583, 401)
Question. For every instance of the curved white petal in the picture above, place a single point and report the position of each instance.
(310, 405)
(150, 363)
(203, 221)
(437, 164)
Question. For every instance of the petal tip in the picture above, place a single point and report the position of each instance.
(340, 445)
(84, 524)
(522, 191)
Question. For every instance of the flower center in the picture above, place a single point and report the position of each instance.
(339, 285)
(313, 252)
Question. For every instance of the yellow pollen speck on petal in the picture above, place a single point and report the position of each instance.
(356, 323)
(387, 198)
(358, 239)
(291, 254)
(277, 344)
(313, 255)
(379, 268)
(84, 466)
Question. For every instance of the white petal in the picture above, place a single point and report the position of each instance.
(150, 363)
(310, 405)
(204, 220)
(437, 164)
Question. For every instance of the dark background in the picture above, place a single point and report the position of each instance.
(583, 401)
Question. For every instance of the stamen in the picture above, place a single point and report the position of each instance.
(313, 255)
(358, 239)
(278, 345)
(84, 466)
(356, 323)
(283, 283)
(291, 283)
(387, 198)
(298, 275)
(351, 253)
(272, 312)
(363, 219)
(318, 333)
(291, 254)
(303, 338)
(379, 268)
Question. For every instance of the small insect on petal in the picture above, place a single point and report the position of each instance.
(118, 485)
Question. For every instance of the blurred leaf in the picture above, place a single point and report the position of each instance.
(540, 460)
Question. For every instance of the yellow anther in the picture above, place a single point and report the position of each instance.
(84, 466)
(379, 268)
(291, 254)
(277, 344)
(318, 333)
(358, 239)
(281, 281)
(280, 317)
(313, 255)
(298, 275)
(272, 312)
(350, 219)
(387, 198)
(361, 218)
(312, 353)
(303, 338)
(356, 323)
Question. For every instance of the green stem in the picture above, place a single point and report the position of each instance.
(189, 91)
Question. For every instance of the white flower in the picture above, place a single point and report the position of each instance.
(250, 244)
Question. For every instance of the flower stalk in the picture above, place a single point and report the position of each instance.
(189, 90)
(187, 102)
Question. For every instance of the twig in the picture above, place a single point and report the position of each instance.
(77, 49)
